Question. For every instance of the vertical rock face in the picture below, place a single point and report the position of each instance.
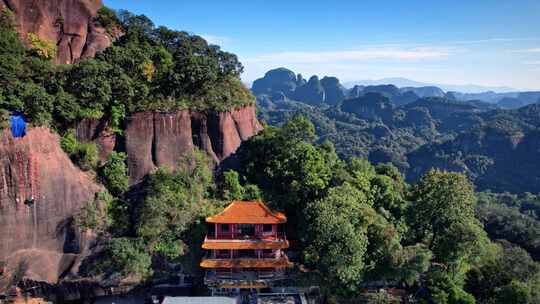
(99, 132)
(40, 191)
(67, 23)
(334, 91)
(312, 92)
(160, 139)
(172, 137)
(140, 144)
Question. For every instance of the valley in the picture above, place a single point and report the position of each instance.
(416, 128)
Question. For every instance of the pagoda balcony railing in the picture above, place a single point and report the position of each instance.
(244, 244)
(245, 238)
(241, 236)
(248, 255)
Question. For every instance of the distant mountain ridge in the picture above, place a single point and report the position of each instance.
(404, 82)
(284, 83)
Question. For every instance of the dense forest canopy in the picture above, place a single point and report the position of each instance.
(147, 68)
(384, 123)
(354, 225)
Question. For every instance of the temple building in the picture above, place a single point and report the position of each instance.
(245, 246)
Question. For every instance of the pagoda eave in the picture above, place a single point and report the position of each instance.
(246, 263)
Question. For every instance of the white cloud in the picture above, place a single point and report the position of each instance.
(533, 50)
(446, 43)
(217, 40)
(359, 55)
(492, 40)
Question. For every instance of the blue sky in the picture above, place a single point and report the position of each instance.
(485, 42)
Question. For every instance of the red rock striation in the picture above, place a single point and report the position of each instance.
(99, 132)
(67, 23)
(40, 191)
(154, 139)
(159, 139)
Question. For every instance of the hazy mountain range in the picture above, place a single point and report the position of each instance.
(404, 82)
(283, 83)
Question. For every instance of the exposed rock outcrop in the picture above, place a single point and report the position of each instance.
(40, 192)
(155, 139)
(312, 92)
(334, 91)
(67, 23)
(370, 106)
(276, 80)
(99, 132)
(429, 91)
(160, 139)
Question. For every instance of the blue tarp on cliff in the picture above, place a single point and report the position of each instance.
(18, 125)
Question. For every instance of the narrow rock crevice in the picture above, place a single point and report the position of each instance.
(70, 51)
(86, 42)
(9, 5)
(154, 141)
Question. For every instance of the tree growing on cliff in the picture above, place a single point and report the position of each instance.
(173, 202)
(85, 155)
(41, 47)
(148, 68)
(125, 256)
(114, 173)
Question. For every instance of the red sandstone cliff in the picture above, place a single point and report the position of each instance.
(41, 234)
(67, 23)
(159, 139)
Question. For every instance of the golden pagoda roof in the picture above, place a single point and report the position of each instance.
(247, 212)
(245, 244)
(246, 263)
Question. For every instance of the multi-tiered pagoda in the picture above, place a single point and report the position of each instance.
(245, 246)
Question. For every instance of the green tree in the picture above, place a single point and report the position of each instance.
(172, 203)
(443, 216)
(252, 192)
(293, 167)
(42, 48)
(410, 263)
(509, 269)
(126, 256)
(93, 215)
(337, 237)
(69, 143)
(89, 81)
(85, 155)
(515, 292)
(231, 188)
(443, 289)
(114, 173)
(12, 54)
